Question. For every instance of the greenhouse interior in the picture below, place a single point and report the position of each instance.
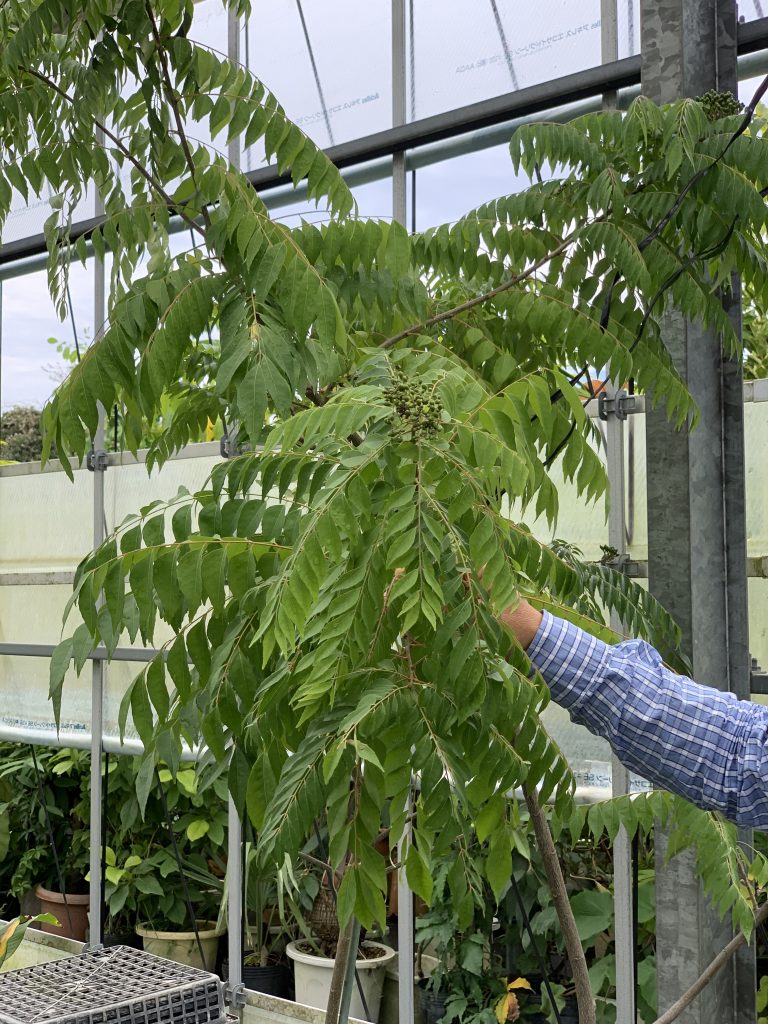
(384, 547)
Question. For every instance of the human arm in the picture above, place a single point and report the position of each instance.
(693, 740)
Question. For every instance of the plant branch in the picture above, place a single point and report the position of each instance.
(170, 96)
(554, 872)
(114, 139)
(709, 972)
(477, 300)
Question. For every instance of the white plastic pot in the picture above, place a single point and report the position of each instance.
(182, 947)
(312, 975)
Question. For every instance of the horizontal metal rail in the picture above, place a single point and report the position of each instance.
(135, 654)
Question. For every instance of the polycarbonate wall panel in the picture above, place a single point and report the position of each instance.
(47, 527)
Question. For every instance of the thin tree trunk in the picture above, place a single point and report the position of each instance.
(339, 972)
(554, 871)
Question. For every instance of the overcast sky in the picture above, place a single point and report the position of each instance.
(459, 54)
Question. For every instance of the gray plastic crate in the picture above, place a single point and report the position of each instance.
(111, 986)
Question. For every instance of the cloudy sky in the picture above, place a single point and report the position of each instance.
(458, 53)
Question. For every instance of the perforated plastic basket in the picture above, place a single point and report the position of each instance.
(111, 986)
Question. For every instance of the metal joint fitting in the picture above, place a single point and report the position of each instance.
(96, 461)
(620, 405)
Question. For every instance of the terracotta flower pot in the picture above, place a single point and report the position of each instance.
(70, 910)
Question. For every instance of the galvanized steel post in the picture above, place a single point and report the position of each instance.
(235, 988)
(696, 521)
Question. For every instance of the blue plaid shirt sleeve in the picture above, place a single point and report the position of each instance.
(693, 740)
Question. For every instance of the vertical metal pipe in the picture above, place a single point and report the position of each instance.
(609, 41)
(235, 825)
(696, 522)
(622, 848)
(399, 207)
(399, 213)
(405, 950)
(235, 903)
(349, 973)
(98, 670)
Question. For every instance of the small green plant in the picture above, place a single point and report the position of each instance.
(13, 933)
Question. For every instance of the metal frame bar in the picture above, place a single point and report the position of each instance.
(235, 990)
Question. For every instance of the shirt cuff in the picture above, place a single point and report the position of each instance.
(571, 661)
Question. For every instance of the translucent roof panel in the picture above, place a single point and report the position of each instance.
(751, 9)
(462, 53)
(328, 62)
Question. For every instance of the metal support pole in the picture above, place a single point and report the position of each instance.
(235, 988)
(399, 202)
(609, 42)
(405, 950)
(349, 973)
(399, 213)
(622, 847)
(696, 524)
(98, 669)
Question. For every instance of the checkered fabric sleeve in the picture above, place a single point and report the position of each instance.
(693, 740)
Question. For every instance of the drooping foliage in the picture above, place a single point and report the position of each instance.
(398, 404)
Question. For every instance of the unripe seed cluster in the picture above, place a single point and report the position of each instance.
(719, 104)
(415, 403)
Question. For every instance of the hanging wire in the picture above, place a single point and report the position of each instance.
(51, 837)
(536, 951)
(182, 874)
(315, 72)
(104, 837)
(504, 44)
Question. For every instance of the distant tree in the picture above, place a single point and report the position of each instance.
(21, 435)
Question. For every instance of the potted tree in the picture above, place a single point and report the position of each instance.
(398, 404)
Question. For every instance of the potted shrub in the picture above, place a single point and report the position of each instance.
(314, 959)
(50, 822)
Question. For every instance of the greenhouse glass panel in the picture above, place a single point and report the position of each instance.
(447, 190)
(31, 366)
(749, 10)
(462, 53)
(329, 64)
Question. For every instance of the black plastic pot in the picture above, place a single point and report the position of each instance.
(432, 1003)
(570, 1012)
(275, 980)
(122, 939)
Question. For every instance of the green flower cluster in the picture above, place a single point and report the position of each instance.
(719, 104)
(416, 403)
